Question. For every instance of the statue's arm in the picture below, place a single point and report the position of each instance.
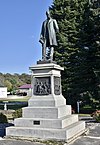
(56, 26)
(41, 40)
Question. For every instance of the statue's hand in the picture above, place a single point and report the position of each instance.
(41, 41)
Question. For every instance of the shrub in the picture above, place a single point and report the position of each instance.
(17, 113)
(3, 118)
(96, 115)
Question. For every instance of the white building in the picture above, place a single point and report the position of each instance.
(3, 92)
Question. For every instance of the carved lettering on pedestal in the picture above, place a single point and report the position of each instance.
(57, 85)
(42, 86)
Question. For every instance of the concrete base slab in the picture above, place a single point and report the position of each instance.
(64, 134)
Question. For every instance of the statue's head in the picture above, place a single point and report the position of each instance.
(48, 14)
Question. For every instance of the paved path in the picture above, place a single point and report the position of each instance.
(93, 138)
(16, 142)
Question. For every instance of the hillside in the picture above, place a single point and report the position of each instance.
(13, 81)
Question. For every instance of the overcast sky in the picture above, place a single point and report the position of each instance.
(20, 26)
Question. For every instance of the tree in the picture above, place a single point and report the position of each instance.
(90, 53)
(8, 85)
(69, 14)
(78, 47)
(25, 77)
(13, 81)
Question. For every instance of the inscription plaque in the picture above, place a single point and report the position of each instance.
(36, 122)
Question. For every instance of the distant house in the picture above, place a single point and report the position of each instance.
(25, 90)
(3, 92)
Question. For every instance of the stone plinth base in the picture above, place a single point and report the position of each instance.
(47, 115)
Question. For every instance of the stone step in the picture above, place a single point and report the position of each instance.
(50, 101)
(64, 134)
(41, 103)
(46, 112)
(46, 123)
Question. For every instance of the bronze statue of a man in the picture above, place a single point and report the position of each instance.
(48, 36)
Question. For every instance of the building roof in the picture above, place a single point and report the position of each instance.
(26, 86)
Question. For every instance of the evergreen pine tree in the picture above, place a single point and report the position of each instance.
(78, 48)
(90, 50)
(69, 14)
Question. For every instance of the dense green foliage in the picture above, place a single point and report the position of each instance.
(17, 113)
(3, 118)
(78, 48)
(13, 81)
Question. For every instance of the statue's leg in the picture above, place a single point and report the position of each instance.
(43, 52)
(51, 53)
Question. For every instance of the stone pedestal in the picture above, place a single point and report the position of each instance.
(47, 115)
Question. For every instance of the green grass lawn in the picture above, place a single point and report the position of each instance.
(24, 99)
(84, 115)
